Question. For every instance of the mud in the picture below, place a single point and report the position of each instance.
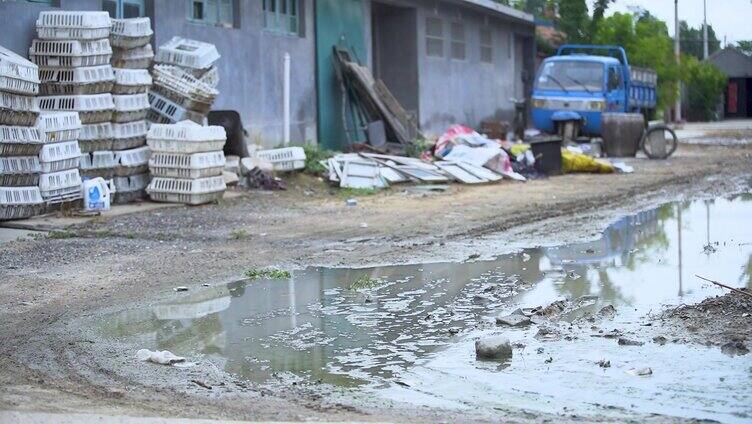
(54, 360)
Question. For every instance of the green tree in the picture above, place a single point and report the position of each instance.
(745, 46)
(648, 44)
(691, 40)
(705, 84)
(599, 11)
(573, 20)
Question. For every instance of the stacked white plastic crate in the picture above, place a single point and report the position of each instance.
(186, 163)
(132, 57)
(73, 54)
(185, 81)
(20, 140)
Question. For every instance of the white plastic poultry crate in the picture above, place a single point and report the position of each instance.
(84, 80)
(130, 33)
(19, 171)
(129, 135)
(191, 192)
(95, 137)
(136, 58)
(59, 126)
(187, 53)
(91, 108)
(20, 202)
(98, 164)
(18, 75)
(210, 77)
(70, 53)
(60, 186)
(165, 111)
(18, 110)
(186, 137)
(183, 88)
(131, 81)
(129, 189)
(284, 159)
(179, 165)
(77, 25)
(132, 162)
(130, 107)
(58, 157)
(20, 141)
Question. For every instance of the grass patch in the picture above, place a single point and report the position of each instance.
(268, 273)
(61, 235)
(364, 282)
(347, 193)
(240, 234)
(314, 154)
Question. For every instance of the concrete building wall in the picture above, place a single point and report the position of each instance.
(251, 66)
(18, 20)
(469, 91)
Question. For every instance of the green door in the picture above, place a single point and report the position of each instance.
(343, 23)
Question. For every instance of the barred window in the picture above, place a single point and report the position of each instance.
(458, 41)
(282, 16)
(486, 45)
(434, 37)
(213, 12)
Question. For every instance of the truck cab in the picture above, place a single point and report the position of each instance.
(576, 86)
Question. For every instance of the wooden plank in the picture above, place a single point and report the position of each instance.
(396, 109)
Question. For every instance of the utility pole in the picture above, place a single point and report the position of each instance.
(705, 29)
(677, 52)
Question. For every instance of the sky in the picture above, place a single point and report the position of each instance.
(730, 18)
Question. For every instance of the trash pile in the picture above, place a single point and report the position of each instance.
(129, 38)
(20, 141)
(187, 163)
(185, 81)
(461, 155)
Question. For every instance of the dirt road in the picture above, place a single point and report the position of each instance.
(48, 362)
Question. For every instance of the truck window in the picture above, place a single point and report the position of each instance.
(571, 75)
(614, 79)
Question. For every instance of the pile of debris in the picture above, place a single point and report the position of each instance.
(187, 163)
(185, 81)
(371, 105)
(130, 94)
(461, 155)
(20, 141)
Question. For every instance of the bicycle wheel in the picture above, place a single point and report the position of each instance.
(659, 146)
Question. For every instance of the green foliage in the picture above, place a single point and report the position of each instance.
(574, 20)
(416, 147)
(239, 234)
(347, 193)
(745, 46)
(315, 154)
(705, 83)
(691, 40)
(61, 234)
(364, 282)
(648, 45)
(268, 273)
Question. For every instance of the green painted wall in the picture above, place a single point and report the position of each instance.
(338, 22)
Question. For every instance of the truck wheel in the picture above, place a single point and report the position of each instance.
(656, 144)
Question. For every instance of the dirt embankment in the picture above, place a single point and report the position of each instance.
(49, 283)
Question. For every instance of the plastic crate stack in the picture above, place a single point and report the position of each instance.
(131, 60)
(186, 163)
(185, 81)
(20, 140)
(73, 53)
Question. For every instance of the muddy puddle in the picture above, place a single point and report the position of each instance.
(406, 333)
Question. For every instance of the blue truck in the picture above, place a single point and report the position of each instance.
(582, 82)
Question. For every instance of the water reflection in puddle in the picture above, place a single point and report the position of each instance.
(418, 324)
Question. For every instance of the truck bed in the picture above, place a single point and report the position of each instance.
(642, 89)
